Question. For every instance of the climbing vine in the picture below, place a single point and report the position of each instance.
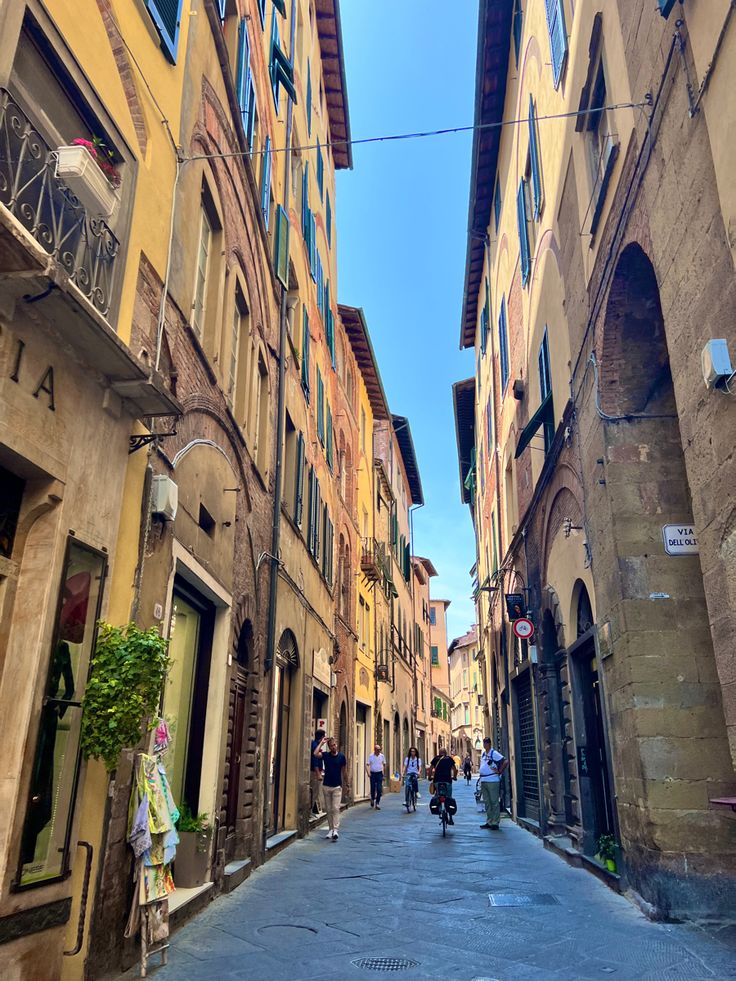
(128, 671)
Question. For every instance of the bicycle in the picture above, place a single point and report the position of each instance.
(410, 792)
(443, 793)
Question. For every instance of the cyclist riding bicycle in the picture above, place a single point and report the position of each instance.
(412, 769)
(443, 770)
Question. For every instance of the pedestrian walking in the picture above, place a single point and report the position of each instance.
(332, 786)
(316, 770)
(492, 766)
(467, 769)
(376, 767)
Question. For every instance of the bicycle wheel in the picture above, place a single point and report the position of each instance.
(443, 819)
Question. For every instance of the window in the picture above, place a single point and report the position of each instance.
(328, 540)
(434, 651)
(518, 15)
(244, 84)
(281, 247)
(305, 352)
(489, 427)
(261, 448)
(497, 201)
(503, 343)
(320, 172)
(433, 616)
(315, 504)
(536, 170)
(237, 341)
(330, 328)
(521, 214)
(320, 408)
(166, 15)
(330, 439)
(203, 262)
(602, 145)
(266, 181)
(467, 715)
(484, 322)
(545, 390)
(299, 480)
(280, 67)
(557, 37)
(45, 841)
(308, 106)
(494, 568)
(305, 205)
(328, 221)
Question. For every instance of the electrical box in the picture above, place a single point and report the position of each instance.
(164, 497)
(716, 363)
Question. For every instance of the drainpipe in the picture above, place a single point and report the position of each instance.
(278, 470)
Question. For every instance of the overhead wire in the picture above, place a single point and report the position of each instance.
(418, 135)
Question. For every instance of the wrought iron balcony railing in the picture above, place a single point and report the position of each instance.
(85, 246)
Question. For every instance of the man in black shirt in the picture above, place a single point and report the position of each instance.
(334, 781)
(443, 770)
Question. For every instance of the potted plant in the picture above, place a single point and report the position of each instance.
(607, 851)
(191, 864)
(87, 167)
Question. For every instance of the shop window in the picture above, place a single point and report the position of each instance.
(45, 840)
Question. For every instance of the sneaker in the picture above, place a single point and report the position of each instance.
(486, 825)
(335, 836)
(373, 803)
(378, 807)
(330, 835)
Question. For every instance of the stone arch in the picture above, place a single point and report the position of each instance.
(635, 375)
(287, 649)
(582, 616)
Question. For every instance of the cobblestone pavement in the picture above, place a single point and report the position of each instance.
(391, 887)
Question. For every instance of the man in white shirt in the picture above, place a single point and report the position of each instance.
(375, 766)
(492, 765)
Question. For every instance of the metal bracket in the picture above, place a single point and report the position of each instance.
(143, 439)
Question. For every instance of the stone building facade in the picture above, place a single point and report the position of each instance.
(600, 263)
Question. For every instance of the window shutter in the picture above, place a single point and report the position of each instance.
(312, 247)
(266, 181)
(320, 172)
(280, 68)
(523, 233)
(328, 221)
(497, 203)
(281, 242)
(305, 352)
(557, 37)
(317, 516)
(223, 4)
(280, 5)
(329, 437)
(309, 99)
(320, 408)
(166, 15)
(299, 481)
(243, 71)
(305, 203)
(310, 512)
(261, 10)
(517, 28)
(534, 156)
(503, 345)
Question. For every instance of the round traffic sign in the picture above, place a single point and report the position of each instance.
(524, 628)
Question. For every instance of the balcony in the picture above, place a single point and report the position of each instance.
(373, 563)
(84, 246)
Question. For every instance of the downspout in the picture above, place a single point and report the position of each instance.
(278, 468)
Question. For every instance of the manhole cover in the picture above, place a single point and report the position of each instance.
(519, 899)
(288, 933)
(385, 963)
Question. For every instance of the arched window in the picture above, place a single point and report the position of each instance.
(208, 271)
(585, 612)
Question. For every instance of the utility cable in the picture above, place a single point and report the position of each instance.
(421, 134)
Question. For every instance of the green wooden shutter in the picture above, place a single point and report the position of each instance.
(281, 244)
(280, 67)
(166, 15)
(557, 37)
(309, 99)
(329, 437)
(320, 408)
(534, 158)
(305, 352)
(523, 232)
(299, 481)
(266, 181)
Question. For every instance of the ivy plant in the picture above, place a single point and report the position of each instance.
(128, 671)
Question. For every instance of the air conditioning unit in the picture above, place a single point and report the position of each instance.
(164, 497)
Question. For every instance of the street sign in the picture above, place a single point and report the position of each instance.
(524, 628)
(680, 539)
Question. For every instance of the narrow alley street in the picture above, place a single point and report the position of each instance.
(477, 905)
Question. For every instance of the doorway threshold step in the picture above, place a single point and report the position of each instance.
(183, 897)
(278, 840)
(235, 873)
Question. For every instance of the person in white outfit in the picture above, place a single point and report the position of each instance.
(492, 765)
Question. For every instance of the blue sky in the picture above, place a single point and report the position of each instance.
(401, 220)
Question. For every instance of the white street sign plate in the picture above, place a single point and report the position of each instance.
(680, 540)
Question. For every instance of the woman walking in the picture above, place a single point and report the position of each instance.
(412, 769)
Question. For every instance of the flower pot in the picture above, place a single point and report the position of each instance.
(78, 169)
(192, 862)
(611, 864)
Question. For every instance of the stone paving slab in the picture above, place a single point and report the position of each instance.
(393, 887)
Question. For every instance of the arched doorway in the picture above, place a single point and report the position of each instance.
(235, 748)
(285, 667)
